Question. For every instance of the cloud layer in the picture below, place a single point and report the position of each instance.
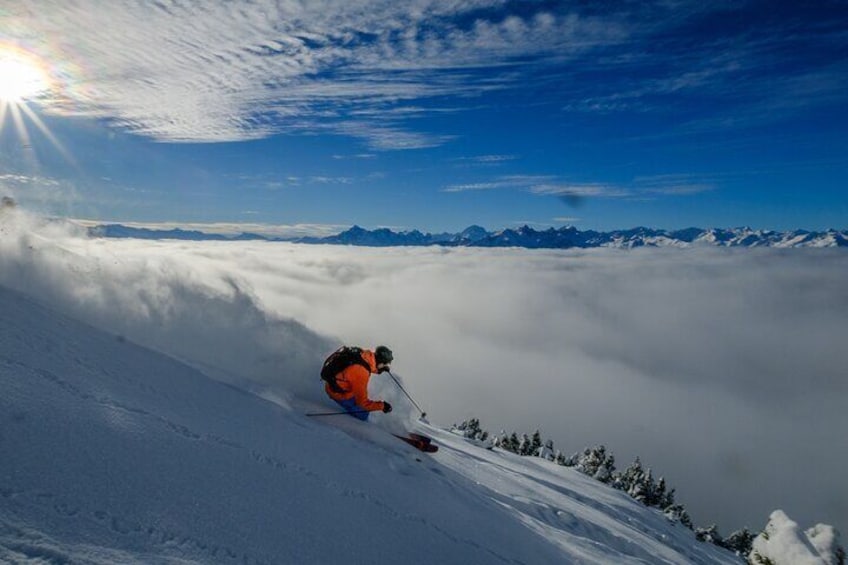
(722, 369)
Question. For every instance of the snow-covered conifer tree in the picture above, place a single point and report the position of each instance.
(676, 513)
(471, 429)
(536, 444)
(632, 481)
(560, 458)
(709, 534)
(740, 542)
(665, 498)
(606, 472)
(658, 494)
(596, 463)
(514, 443)
(547, 451)
(650, 489)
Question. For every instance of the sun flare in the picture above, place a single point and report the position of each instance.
(25, 78)
(22, 76)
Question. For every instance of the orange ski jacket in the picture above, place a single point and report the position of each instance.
(354, 382)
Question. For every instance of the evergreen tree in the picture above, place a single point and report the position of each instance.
(637, 489)
(709, 534)
(606, 472)
(536, 444)
(649, 489)
(676, 513)
(666, 498)
(463, 427)
(640, 485)
(630, 481)
(471, 429)
(524, 447)
(561, 459)
(547, 451)
(514, 443)
(658, 495)
(595, 462)
(740, 542)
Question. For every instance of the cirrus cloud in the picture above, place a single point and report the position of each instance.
(237, 70)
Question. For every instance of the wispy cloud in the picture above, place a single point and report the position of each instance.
(546, 185)
(330, 180)
(574, 193)
(39, 192)
(506, 181)
(472, 186)
(279, 182)
(586, 190)
(12, 179)
(357, 156)
(674, 184)
(234, 228)
(233, 71)
(388, 137)
(494, 158)
(485, 160)
(755, 67)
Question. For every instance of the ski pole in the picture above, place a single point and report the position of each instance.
(423, 413)
(335, 413)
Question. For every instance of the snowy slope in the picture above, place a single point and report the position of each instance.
(113, 453)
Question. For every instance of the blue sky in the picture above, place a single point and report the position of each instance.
(430, 114)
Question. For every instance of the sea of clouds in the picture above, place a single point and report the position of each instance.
(723, 369)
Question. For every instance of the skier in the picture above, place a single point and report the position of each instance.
(349, 386)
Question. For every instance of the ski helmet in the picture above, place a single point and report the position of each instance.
(383, 355)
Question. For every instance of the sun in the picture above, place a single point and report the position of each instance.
(26, 88)
(22, 76)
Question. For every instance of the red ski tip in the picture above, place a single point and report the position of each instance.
(419, 442)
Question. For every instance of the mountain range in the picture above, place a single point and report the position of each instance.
(524, 237)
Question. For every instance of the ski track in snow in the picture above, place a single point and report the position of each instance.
(581, 519)
(112, 453)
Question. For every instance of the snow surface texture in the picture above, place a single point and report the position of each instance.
(641, 351)
(111, 452)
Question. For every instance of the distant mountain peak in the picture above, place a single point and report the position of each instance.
(565, 237)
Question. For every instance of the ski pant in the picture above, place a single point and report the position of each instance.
(352, 408)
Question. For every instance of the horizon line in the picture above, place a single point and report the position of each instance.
(307, 229)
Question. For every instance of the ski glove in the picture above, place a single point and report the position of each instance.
(386, 407)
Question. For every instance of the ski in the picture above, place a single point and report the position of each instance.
(419, 442)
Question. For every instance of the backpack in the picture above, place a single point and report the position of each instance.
(340, 360)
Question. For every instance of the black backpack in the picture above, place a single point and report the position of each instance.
(340, 360)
